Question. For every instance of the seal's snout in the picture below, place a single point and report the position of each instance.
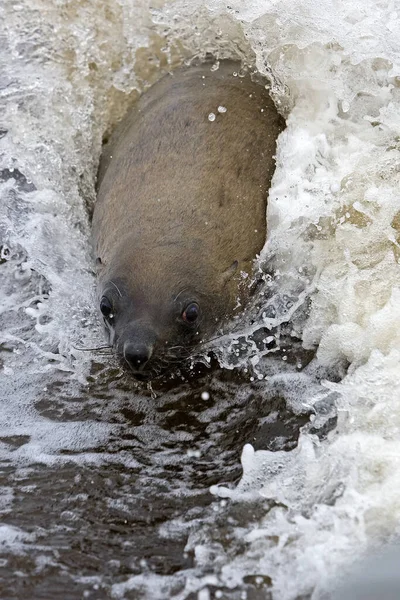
(137, 355)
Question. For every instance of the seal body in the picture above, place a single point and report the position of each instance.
(181, 212)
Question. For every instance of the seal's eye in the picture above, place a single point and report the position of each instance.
(106, 308)
(191, 313)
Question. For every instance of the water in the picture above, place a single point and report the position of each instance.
(113, 490)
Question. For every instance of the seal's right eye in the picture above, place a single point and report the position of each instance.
(191, 313)
(106, 308)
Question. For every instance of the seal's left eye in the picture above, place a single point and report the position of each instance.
(106, 308)
(191, 313)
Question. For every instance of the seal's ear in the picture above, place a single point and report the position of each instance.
(229, 273)
(99, 265)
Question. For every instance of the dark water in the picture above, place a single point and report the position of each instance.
(128, 506)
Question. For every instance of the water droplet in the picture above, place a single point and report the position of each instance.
(211, 117)
(221, 109)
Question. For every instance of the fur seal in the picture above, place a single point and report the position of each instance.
(180, 213)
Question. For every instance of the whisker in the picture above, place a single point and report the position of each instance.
(117, 288)
(181, 292)
(82, 349)
(214, 339)
(184, 348)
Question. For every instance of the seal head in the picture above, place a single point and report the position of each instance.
(153, 331)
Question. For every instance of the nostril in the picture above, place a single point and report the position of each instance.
(137, 356)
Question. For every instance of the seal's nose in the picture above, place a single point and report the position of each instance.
(137, 355)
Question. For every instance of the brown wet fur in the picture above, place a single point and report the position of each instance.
(181, 207)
